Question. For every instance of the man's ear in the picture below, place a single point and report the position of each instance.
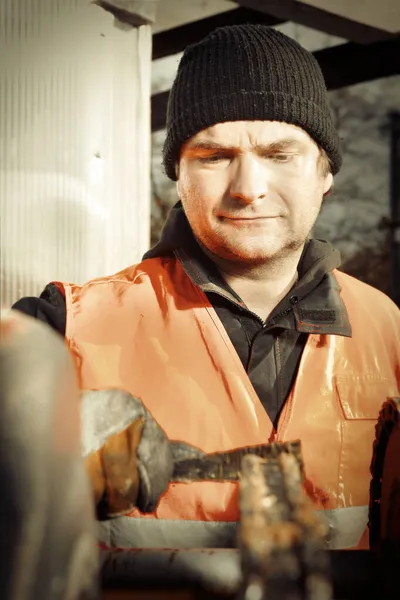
(328, 184)
(177, 179)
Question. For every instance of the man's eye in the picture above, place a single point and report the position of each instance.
(282, 158)
(213, 158)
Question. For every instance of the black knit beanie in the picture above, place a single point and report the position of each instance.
(248, 72)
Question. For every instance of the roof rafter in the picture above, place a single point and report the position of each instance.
(344, 65)
(177, 39)
(317, 18)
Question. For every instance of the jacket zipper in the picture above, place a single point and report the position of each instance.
(264, 324)
(278, 316)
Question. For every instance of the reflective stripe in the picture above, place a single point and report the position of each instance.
(131, 532)
(346, 526)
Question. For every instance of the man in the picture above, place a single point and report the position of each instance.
(237, 328)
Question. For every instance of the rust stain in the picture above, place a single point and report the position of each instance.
(316, 493)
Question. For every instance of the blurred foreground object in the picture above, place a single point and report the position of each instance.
(48, 530)
(384, 513)
(282, 539)
(47, 524)
(127, 455)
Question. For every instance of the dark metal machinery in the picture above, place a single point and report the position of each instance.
(281, 551)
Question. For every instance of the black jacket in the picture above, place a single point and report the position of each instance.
(270, 351)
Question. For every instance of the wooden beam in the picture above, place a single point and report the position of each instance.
(316, 18)
(344, 65)
(349, 64)
(175, 40)
(159, 110)
(140, 14)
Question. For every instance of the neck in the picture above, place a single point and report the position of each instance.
(261, 287)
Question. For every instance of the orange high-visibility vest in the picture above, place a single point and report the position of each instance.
(152, 332)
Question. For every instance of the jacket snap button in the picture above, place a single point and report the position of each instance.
(294, 300)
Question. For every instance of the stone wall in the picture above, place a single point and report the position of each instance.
(353, 216)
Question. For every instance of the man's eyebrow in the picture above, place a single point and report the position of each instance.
(279, 145)
(208, 145)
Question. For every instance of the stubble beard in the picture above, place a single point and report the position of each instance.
(220, 246)
(248, 253)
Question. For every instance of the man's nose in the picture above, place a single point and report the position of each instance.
(249, 179)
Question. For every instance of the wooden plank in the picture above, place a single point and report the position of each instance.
(349, 64)
(344, 65)
(316, 18)
(159, 110)
(175, 40)
(140, 14)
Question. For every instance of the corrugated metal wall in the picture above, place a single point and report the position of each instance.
(74, 143)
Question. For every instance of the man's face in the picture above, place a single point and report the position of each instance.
(251, 190)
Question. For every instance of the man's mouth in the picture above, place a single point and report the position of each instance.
(250, 219)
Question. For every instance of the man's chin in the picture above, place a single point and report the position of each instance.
(249, 252)
(254, 256)
(259, 255)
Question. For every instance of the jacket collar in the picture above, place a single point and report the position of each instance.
(314, 305)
